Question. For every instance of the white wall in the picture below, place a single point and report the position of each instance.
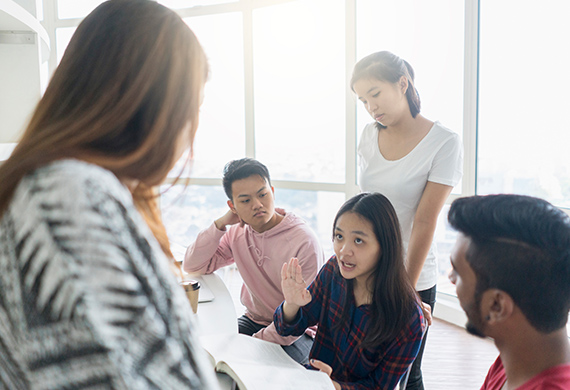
(20, 86)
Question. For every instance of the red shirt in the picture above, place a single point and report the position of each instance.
(554, 378)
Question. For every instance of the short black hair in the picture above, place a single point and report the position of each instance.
(520, 245)
(242, 169)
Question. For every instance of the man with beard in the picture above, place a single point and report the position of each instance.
(511, 271)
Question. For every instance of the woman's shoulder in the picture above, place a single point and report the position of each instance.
(416, 324)
(72, 179)
(73, 171)
(441, 138)
(443, 134)
(370, 130)
(441, 131)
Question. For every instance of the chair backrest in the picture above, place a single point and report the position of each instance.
(404, 381)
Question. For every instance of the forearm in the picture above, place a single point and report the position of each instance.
(220, 224)
(208, 253)
(418, 248)
(423, 229)
(269, 333)
(290, 312)
(284, 328)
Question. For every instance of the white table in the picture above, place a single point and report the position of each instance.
(219, 314)
(216, 316)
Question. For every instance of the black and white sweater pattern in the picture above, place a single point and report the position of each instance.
(87, 299)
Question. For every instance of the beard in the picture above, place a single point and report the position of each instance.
(474, 329)
(474, 323)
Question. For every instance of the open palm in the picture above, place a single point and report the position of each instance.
(293, 285)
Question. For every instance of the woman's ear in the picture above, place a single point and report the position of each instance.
(403, 84)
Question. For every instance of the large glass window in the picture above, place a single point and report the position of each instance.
(187, 210)
(524, 82)
(299, 90)
(221, 134)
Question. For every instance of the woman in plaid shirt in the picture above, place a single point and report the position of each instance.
(370, 324)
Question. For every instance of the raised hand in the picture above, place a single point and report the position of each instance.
(293, 285)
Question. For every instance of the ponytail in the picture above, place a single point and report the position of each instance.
(412, 93)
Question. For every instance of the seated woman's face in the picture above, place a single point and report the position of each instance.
(356, 247)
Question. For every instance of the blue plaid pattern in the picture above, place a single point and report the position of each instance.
(353, 367)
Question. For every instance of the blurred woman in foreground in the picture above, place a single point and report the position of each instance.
(88, 296)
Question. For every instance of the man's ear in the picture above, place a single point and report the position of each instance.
(497, 306)
(231, 206)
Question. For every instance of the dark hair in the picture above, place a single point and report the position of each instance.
(122, 97)
(242, 169)
(393, 296)
(385, 66)
(520, 245)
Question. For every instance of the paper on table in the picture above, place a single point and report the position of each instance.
(259, 365)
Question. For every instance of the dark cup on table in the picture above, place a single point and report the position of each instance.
(192, 288)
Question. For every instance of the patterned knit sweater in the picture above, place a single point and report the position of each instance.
(87, 298)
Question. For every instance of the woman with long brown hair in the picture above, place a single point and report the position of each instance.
(88, 297)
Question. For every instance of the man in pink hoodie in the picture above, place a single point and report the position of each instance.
(259, 240)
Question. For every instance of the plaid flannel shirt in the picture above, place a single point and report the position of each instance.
(353, 367)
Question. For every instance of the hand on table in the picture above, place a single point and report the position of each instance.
(323, 367)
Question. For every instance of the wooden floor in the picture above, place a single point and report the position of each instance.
(453, 359)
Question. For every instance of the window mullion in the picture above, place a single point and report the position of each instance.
(248, 80)
(470, 101)
(350, 60)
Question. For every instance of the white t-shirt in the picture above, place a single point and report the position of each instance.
(438, 158)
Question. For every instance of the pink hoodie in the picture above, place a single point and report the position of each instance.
(259, 258)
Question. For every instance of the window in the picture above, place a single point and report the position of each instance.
(523, 133)
(279, 92)
(299, 90)
(221, 135)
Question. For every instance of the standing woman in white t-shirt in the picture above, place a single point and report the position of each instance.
(410, 159)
